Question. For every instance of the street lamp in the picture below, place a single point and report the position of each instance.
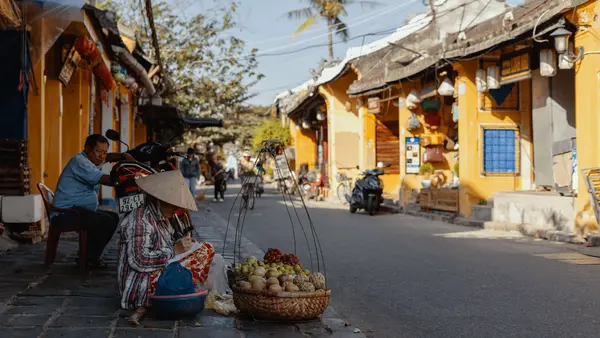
(561, 40)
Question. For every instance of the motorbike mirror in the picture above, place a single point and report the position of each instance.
(113, 135)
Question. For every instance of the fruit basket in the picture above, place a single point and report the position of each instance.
(278, 287)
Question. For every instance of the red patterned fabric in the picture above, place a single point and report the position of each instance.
(198, 263)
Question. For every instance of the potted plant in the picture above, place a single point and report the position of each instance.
(426, 170)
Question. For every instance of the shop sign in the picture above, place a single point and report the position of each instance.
(373, 105)
(515, 68)
(69, 66)
(413, 155)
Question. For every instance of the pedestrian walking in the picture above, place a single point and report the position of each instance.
(218, 175)
(190, 169)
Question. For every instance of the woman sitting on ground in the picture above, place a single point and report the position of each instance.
(148, 244)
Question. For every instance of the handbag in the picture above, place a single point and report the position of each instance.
(433, 121)
(433, 155)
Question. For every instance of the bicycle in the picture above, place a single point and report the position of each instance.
(344, 187)
(248, 195)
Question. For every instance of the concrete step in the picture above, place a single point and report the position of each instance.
(482, 212)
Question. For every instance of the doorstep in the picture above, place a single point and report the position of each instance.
(525, 229)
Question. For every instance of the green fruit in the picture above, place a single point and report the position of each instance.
(255, 264)
(261, 263)
(251, 259)
(306, 272)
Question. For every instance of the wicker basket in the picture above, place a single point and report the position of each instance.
(281, 305)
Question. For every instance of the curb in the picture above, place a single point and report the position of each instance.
(525, 229)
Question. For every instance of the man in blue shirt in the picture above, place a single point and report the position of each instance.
(77, 188)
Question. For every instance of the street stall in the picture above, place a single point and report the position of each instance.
(280, 286)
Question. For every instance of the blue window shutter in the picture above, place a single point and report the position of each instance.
(500, 153)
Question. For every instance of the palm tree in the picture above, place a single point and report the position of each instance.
(329, 10)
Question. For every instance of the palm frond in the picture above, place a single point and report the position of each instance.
(341, 30)
(309, 22)
(302, 13)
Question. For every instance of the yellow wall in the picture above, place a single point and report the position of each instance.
(475, 187)
(587, 102)
(71, 120)
(53, 133)
(340, 120)
(85, 103)
(413, 181)
(306, 148)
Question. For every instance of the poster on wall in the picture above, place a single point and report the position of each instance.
(413, 155)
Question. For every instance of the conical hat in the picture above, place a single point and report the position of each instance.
(170, 187)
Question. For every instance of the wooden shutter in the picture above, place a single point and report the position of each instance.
(387, 146)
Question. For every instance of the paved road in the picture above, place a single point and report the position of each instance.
(407, 277)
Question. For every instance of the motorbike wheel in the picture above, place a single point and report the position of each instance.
(353, 209)
(371, 206)
(251, 200)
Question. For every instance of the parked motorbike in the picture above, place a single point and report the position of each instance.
(311, 184)
(150, 158)
(367, 193)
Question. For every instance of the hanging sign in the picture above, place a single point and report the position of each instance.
(373, 105)
(515, 68)
(283, 170)
(69, 65)
(413, 155)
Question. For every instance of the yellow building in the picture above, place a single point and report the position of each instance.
(74, 94)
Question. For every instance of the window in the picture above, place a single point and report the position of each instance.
(500, 151)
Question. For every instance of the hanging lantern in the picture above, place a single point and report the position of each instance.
(297, 127)
(493, 77)
(413, 97)
(446, 88)
(320, 116)
(119, 77)
(115, 68)
(481, 80)
(305, 125)
(547, 63)
(128, 81)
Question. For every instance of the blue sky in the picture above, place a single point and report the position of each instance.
(263, 25)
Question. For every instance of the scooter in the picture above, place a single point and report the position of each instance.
(311, 185)
(368, 191)
(150, 158)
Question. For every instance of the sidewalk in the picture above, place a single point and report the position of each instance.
(61, 301)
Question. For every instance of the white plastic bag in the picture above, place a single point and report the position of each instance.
(217, 276)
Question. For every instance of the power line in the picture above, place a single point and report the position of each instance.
(287, 37)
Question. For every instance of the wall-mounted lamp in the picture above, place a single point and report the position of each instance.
(305, 125)
(320, 116)
(561, 44)
(297, 127)
(561, 40)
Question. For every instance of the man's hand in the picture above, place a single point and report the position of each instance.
(182, 245)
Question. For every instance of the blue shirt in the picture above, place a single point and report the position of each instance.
(78, 184)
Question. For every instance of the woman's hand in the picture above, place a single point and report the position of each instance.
(182, 245)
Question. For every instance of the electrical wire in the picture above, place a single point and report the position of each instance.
(319, 36)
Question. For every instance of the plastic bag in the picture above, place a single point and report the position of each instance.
(414, 122)
(217, 276)
(220, 303)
